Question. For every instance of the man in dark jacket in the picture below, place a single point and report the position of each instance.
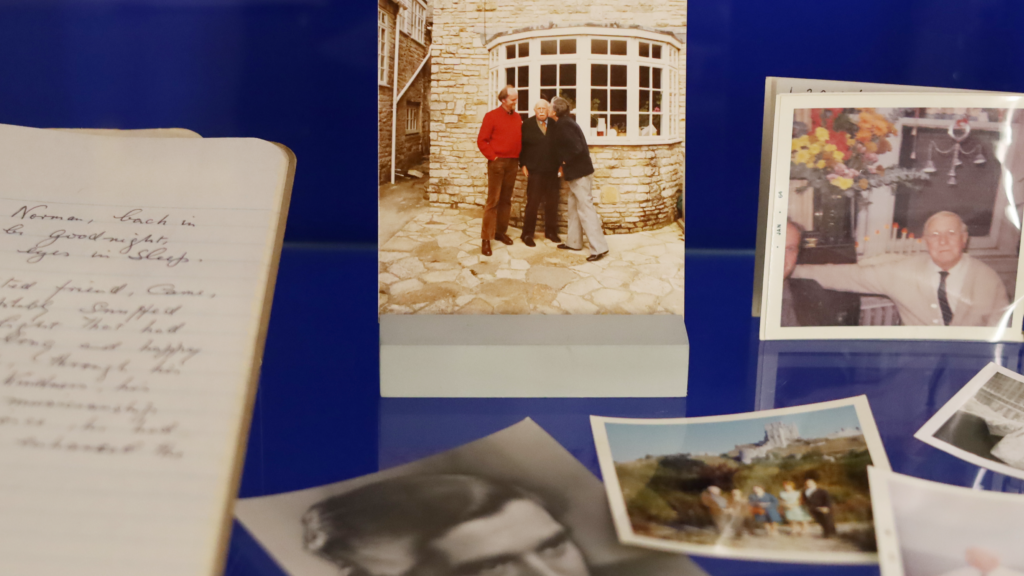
(819, 503)
(540, 166)
(578, 171)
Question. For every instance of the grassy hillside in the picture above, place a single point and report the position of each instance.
(667, 489)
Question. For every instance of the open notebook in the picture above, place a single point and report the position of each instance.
(136, 276)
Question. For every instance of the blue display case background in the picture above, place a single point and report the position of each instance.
(301, 72)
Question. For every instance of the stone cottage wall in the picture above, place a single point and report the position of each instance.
(636, 187)
(409, 147)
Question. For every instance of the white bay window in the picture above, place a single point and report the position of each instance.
(622, 85)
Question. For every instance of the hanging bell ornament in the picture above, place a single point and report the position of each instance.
(979, 159)
(951, 181)
(929, 167)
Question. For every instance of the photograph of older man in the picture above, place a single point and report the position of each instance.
(500, 141)
(578, 171)
(540, 166)
(945, 287)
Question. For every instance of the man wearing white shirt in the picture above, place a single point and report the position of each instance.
(982, 563)
(946, 287)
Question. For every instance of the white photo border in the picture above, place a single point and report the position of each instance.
(890, 557)
(771, 304)
(620, 516)
(927, 432)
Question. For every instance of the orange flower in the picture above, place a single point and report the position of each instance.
(863, 183)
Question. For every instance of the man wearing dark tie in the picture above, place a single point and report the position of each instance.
(945, 287)
(540, 166)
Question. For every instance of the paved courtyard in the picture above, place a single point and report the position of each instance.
(432, 265)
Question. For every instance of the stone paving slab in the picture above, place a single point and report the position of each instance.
(433, 265)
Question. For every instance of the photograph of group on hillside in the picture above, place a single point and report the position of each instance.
(786, 486)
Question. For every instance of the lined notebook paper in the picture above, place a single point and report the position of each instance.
(135, 282)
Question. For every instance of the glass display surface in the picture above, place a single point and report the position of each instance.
(318, 417)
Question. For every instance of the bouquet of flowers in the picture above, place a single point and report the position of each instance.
(840, 151)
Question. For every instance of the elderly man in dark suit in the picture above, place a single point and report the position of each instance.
(819, 503)
(578, 171)
(540, 166)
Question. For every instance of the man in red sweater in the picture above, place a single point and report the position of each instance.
(500, 141)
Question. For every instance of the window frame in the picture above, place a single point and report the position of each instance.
(583, 58)
(414, 21)
(383, 19)
(413, 118)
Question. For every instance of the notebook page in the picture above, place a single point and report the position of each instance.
(132, 280)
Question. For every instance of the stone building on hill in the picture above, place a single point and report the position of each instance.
(621, 63)
(403, 41)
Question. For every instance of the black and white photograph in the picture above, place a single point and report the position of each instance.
(895, 216)
(931, 529)
(983, 423)
(512, 503)
(531, 157)
(784, 485)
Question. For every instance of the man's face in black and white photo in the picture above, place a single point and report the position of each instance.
(520, 539)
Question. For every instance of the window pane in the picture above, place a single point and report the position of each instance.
(549, 75)
(618, 122)
(599, 101)
(598, 46)
(645, 76)
(618, 75)
(657, 101)
(618, 100)
(657, 77)
(524, 49)
(524, 76)
(525, 116)
(510, 76)
(645, 121)
(510, 51)
(598, 74)
(645, 50)
(570, 95)
(599, 125)
(618, 47)
(567, 75)
(656, 51)
(548, 47)
(548, 94)
(523, 105)
(567, 46)
(645, 100)
(656, 120)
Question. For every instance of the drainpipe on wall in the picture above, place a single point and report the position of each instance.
(394, 91)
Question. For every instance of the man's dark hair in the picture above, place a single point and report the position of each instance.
(560, 106)
(420, 507)
(503, 94)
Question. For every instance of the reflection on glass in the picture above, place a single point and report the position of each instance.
(618, 75)
(548, 47)
(567, 75)
(598, 46)
(618, 47)
(567, 46)
(549, 75)
(510, 51)
(524, 49)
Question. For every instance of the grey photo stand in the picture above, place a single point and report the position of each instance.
(533, 356)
